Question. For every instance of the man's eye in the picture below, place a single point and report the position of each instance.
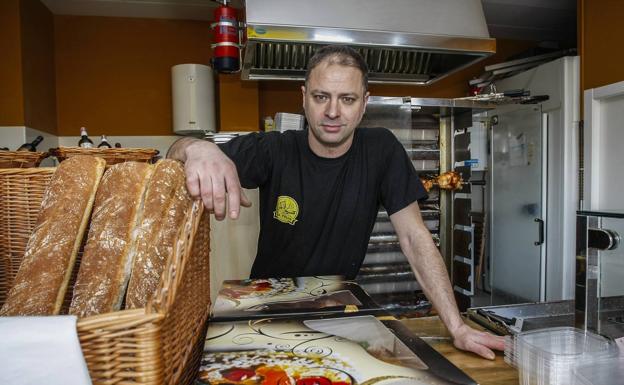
(348, 100)
(320, 98)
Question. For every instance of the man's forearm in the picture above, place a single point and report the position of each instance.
(426, 262)
(429, 268)
(178, 148)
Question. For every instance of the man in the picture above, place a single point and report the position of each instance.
(320, 190)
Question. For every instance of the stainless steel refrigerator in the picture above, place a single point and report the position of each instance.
(534, 187)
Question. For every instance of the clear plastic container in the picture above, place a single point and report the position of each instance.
(548, 356)
(605, 372)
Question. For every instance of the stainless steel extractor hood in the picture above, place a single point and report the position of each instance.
(403, 41)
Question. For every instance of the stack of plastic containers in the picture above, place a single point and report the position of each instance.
(607, 372)
(550, 356)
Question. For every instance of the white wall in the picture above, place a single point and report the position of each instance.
(234, 244)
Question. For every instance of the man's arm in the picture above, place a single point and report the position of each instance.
(210, 175)
(428, 266)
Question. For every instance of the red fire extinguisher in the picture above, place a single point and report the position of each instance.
(226, 49)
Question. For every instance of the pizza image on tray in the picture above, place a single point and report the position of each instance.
(270, 297)
(289, 352)
(273, 368)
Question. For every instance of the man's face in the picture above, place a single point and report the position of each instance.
(334, 102)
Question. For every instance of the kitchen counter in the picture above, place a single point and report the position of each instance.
(484, 372)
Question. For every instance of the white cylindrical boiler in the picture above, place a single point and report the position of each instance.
(192, 89)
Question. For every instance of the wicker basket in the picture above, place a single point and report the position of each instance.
(21, 191)
(161, 344)
(21, 159)
(111, 155)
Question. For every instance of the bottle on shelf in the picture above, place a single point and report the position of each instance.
(84, 141)
(117, 145)
(269, 124)
(104, 143)
(31, 146)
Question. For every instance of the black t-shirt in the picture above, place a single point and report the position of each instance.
(317, 214)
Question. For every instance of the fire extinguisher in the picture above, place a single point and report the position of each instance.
(226, 49)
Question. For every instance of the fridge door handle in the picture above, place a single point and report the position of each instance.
(540, 232)
(602, 239)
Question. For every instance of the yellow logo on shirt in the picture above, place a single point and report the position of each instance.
(286, 210)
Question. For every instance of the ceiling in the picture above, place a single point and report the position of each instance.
(550, 21)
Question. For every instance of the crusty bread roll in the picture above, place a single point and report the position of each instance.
(166, 203)
(106, 264)
(44, 274)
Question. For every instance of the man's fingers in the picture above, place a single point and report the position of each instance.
(245, 202)
(494, 342)
(478, 342)
(213, 177)
(477, 348)
(206, 192)
(218, 197)
(233, 195)
(192, 184)
(481, 350)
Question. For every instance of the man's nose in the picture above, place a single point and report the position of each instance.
(333, 109)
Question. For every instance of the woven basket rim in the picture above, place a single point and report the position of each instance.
(32, 154)
(73, 149)
(33, 170)
(22, 159)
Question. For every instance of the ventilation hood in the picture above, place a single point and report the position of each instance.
(403, 41)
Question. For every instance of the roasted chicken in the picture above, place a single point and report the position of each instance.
(427, 183)
(449, 180)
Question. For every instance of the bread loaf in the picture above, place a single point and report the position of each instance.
(106, 262)
(43, 276)
(166, 203)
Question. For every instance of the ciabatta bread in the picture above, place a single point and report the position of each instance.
(106, 262)
(43, 276)
(166, 203)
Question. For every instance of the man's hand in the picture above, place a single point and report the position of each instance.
(481, 343)
(211, 176)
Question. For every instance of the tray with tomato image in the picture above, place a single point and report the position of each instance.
(290, 297)
(319, 351)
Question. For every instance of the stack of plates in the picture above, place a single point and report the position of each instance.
(219, 138)
(549, 356)
(285, 121)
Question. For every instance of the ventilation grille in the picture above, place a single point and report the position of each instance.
(285, 60)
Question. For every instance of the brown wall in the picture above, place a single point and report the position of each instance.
(11, 92)
(238, 104)
(285, 96)
(602, 36)
(38, 66)
(114, 74)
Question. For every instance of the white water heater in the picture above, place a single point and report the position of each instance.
(192, 89)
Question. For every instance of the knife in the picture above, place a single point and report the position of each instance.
(393, 337)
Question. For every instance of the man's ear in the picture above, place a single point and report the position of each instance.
(303, 97)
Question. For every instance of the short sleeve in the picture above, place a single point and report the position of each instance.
(252, 155)
(400, 184)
